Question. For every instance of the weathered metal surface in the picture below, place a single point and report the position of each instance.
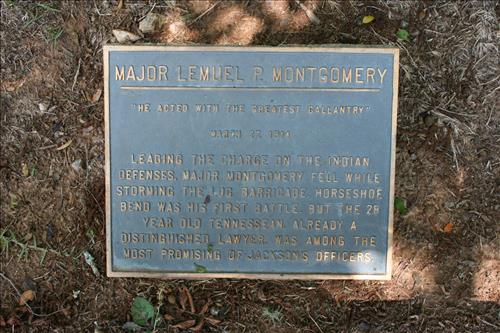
(250, 162)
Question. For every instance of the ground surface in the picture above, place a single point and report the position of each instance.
(446, 269)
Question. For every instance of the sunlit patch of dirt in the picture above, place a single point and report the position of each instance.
(201, 6)
(176, 30)
(286, 15)
(233, 25)
(486, 281)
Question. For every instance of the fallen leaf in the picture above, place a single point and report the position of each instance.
(368, 19)
(261, 296)
(40, 323)
(190, 299)
(13, 321)
(66, 312)
(185, 324)
(182, 299)
(123, 36)
(171, 299)
(204, 309)
(198, 327)
(25, 170)
(11, 86)
(77, 165)
(213, 321)
(168, 317)
(27, 296)
(448, 228)
(66, 145)
(97, 96)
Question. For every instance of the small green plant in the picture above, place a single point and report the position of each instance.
(400, 206)
(48, 7)
(274, 315)
(10, 3)
(52, 34)
(8, 238)
(142, 311)
(38, 12)
(403, 34)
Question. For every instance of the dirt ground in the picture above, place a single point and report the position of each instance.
(446, 268)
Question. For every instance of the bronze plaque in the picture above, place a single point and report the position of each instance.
(250, 162)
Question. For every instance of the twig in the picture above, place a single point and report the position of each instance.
(487, 323)
(76, 74)
(310, 14)
(204, 13)
(315, 323)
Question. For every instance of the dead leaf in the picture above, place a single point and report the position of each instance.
(66, 145)
(2, 321)
(40, 323)
(204, 309)
(448, 228)
(171, 299)
(120, 5)
(213, 321)
(182, 298)
(97, 96)
(168, 317)
(190, 299)
(11, 86)
(185, 324)
(123, 36)
(198, 327)
(261, 296)
(25, 170)
(66, 312)
(87, 130)
(27, 296)
(13, 321)
(368, 19)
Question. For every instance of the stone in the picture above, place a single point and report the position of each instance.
(123, 36)
(150, 23)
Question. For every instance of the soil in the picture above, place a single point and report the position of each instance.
(446, 267)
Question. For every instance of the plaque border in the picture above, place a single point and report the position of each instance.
(378, 49)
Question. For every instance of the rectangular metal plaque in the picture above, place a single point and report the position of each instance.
(250, 162)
